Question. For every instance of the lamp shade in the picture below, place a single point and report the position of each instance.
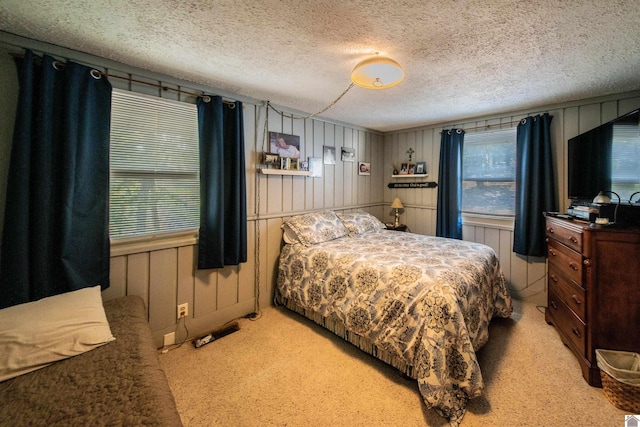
(602, 198)
(378, 72)
(397, 204)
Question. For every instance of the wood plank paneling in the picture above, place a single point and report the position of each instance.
(205, 292)
(186, 279)
(163, 273)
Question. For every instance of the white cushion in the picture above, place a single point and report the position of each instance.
(36, 334)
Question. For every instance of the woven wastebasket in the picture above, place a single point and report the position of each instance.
(620, 374)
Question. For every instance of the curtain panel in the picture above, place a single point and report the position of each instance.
(55, 237)
(535, 185)
(223, 211)
(449, 211)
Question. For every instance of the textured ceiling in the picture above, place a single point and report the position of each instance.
(461, 58)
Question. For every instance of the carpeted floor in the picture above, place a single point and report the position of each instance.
(284, 370)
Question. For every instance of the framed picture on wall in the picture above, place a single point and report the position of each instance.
(364, 168)
(284, 145)
(329, 155)
(315, 167)
(421, 168)
(348, 154)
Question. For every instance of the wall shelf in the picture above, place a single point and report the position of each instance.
(413, 175)
(266, 171)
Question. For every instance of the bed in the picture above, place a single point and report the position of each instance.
(117, 383)
(419, 303)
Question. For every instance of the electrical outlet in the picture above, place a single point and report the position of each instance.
(183, 310)
(169, 339)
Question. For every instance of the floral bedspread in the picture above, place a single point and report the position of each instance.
(424, 299)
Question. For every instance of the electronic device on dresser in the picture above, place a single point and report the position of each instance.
(606, 161)
(594, 288)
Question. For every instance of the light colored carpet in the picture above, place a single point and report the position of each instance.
(284, 370)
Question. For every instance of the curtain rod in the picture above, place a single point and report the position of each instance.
(163, 87)
(510, 124)
(130, 79)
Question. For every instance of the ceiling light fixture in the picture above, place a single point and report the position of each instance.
(378, 72)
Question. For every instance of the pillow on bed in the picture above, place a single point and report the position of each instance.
(315, 227)
(36, 334)
(360, 222)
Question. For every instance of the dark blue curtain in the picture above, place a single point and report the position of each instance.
(448, 216)
(535, 185)
(223, 208)
(55, 236)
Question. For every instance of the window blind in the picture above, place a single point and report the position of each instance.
(625, 158)
(488, 172)
(154, 163)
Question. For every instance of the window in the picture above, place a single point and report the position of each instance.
(154, 166)
(625, 158)
(488, 173)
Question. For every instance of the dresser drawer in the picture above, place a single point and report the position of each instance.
(567, 323)
(565, 235)
(571, 293)
(566, 260)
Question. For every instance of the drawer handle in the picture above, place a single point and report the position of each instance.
(576, 299)
(551, 230)
(573, 266)
(553, 304)
(554, 278)
(587, 262)
(576, 332)
(552, 252)
(573, 239)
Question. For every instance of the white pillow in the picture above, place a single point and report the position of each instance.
(36, 334)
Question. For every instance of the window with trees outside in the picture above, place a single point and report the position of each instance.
(154, 184)
(488, 173)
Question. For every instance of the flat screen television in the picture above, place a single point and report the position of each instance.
(606, 158)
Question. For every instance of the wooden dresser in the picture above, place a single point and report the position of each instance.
(594, 289)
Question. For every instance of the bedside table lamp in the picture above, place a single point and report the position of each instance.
(397, 205)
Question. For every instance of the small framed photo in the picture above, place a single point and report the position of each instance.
(288, 163)
(412, 169)
(328, 155)
(315, 167)
(364, 168)
(348, 154)
(270, 159)
(404, 168)
(304, 166)
(421, 168)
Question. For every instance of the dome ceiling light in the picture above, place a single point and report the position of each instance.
(378, 72)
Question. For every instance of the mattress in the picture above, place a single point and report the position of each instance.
(118, 384)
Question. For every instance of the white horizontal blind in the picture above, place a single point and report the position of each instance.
(154, 166)
(625, 158)
(488, 172)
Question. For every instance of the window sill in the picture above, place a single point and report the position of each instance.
(492, 221)
(153, 243)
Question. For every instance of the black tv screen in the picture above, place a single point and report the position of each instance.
(606, 158)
